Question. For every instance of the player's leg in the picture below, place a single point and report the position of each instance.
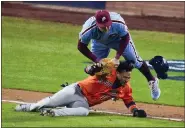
(80, 111)
(130, 53)
(61, 98)
(101, 51)
(79, 107)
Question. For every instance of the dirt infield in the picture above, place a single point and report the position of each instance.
(142, 23)
(118, 106)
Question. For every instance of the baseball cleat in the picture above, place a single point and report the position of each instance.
(23, 107)
(47, 112)
(155, 90)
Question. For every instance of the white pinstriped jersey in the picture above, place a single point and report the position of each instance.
(90, 30)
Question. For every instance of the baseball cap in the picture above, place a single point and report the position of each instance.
(103, 18)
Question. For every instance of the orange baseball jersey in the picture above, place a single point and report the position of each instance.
(97, 91)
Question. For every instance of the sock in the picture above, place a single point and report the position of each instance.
(146, 72)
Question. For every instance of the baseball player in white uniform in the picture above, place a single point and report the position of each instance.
(107, 30)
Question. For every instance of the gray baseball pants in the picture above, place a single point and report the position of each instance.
(71, 97)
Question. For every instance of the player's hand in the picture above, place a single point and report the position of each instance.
(139, 113)
(116, 62)
(94, 68)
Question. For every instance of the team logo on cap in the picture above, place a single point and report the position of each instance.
(103, 19)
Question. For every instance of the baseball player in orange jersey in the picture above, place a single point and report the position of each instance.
(103, 84)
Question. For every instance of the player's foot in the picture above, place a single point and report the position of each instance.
(47, 112)
(155, 90)
(23, 107)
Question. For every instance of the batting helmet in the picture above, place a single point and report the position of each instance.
(160, 66)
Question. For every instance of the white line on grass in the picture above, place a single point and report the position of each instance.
(106, 112)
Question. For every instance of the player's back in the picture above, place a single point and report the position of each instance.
(91, 22)
(97, 91)
(88, 24)
(116, 16)
(90, 30)
(93, 85)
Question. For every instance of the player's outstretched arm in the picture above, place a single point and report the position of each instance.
(131, 105)
(135, 111)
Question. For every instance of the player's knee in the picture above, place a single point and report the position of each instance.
(138, 64)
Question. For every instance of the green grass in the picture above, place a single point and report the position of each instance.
(10, 118)
(39, 56)
(169, 45)
(169, 96)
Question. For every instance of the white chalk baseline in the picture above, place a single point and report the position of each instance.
(107, 112)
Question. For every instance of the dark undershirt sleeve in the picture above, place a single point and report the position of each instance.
(86, 52)
(123, 43)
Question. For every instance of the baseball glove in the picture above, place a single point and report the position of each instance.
(102, 69)
(107, 67)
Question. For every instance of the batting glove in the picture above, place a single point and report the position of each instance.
(93, 68)
(139, 113)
